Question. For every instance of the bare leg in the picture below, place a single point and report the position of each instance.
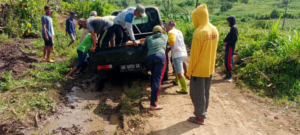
(45, 52)
(184, 68)
(71, 72)
(48, 50)
(72, 43)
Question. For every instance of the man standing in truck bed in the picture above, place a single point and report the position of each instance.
(123, 24)
(101, 26)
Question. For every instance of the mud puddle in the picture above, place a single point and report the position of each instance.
(85, 112)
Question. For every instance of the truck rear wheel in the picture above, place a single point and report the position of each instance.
(166, 76)
(100, 84)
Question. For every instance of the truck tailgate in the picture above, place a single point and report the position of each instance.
(119, 55)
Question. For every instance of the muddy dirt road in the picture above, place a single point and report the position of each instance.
(231, 112)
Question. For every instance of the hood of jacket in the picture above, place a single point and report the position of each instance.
(157, 35)
(200, 16)
(231, 20)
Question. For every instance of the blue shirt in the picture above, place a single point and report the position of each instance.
(48, 21)
(70, 26)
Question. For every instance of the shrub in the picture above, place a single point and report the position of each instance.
(275, 14)
(182, 4)
(260, 24)
(225, 6)
(245, 1)
(243, 20)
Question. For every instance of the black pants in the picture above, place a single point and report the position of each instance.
(105, 36)
(121, 35)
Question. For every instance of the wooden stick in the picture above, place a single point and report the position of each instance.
(264, 75)
(220, 56)
(36, 119)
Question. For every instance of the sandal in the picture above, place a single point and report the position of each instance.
(192, 119)
(158, 107)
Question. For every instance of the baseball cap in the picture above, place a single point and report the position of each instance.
(157, 28)
(80, 21)
(93, 13)
(73, 13)
(141, 10)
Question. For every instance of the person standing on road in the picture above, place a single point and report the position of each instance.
(179, 54)
(123, 23)
(52, 30)
(70, 28)
(86, 31)
(156, 62)
(202, 62)
(229, 43)
(101, 26)
(47, 33)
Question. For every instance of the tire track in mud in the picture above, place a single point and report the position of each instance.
(84, 110)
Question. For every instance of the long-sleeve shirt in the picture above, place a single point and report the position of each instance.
(125, 19)
(70, 26)
(232, 36)
(204, 45)
(156, 43)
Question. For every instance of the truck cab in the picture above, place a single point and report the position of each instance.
(127, 58)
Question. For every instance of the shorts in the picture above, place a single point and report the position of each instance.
(81, 58)
(49, 42)
(72, 36)
(178, 64)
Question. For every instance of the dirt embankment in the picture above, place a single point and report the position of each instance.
(13, 58)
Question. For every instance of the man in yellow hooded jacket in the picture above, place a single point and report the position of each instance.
(202, 62)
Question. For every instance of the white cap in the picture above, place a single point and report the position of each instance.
(93, 13)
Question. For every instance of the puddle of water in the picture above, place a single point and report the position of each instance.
(85, 114)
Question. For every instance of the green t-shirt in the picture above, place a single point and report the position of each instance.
(86, 43)
(156, 43)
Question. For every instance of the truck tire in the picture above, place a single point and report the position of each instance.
(166, 76)
(100, 84)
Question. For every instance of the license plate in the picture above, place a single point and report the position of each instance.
(130, 67)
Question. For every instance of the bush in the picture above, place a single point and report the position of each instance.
(245, 1)
(243, 20)
(225, 6)
(275, 14)
(260, 24)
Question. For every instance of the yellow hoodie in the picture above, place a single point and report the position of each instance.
(204, 44)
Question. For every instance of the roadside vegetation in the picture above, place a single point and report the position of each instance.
(268, 51)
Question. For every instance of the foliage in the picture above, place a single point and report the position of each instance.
(225, 6)
(275, 14)
(83, 8)
(277, 56)
(5, 82)
(260, 24)
(187, 3)
(23, 12)
(245, 1)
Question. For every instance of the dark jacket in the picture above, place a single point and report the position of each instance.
(70, 26)
(232, 36)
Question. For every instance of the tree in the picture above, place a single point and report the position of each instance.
(285, 2)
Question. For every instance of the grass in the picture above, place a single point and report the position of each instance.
(130, 110)
(3, 39)
(35, 90)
